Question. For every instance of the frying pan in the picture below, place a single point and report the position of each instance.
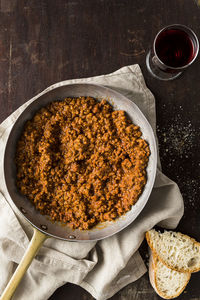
(44, 228)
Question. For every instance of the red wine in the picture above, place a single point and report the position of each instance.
(174, 48)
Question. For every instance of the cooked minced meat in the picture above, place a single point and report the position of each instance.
(81, 162)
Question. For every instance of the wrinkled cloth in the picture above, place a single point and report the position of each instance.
(102, 268)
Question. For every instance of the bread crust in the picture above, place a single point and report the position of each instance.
(195, 269)
(152, 271)
(153, 279)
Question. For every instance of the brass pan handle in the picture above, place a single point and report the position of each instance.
(36, 242)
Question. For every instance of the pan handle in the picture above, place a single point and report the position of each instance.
(36, 242)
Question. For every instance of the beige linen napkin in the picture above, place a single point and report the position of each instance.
(101, 268)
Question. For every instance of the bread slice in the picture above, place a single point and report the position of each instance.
(176, 250)
(167, 283)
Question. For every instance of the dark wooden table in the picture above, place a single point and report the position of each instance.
(43, 42)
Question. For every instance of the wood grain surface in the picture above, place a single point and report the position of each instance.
(43, 42)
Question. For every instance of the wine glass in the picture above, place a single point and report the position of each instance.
(175, 48)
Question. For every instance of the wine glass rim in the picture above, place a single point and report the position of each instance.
(177, 26)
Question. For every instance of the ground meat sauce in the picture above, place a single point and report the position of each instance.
(81, 162)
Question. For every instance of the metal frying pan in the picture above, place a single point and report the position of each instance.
(43, 227)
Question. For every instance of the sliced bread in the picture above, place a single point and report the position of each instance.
(167, 283)
(176, 250)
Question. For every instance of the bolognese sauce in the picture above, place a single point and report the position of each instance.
(81, 162)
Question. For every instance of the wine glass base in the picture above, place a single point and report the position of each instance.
(158, 73)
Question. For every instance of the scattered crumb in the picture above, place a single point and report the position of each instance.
(146, 259)
(191, 192)
(178, 146)
(178, 137)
